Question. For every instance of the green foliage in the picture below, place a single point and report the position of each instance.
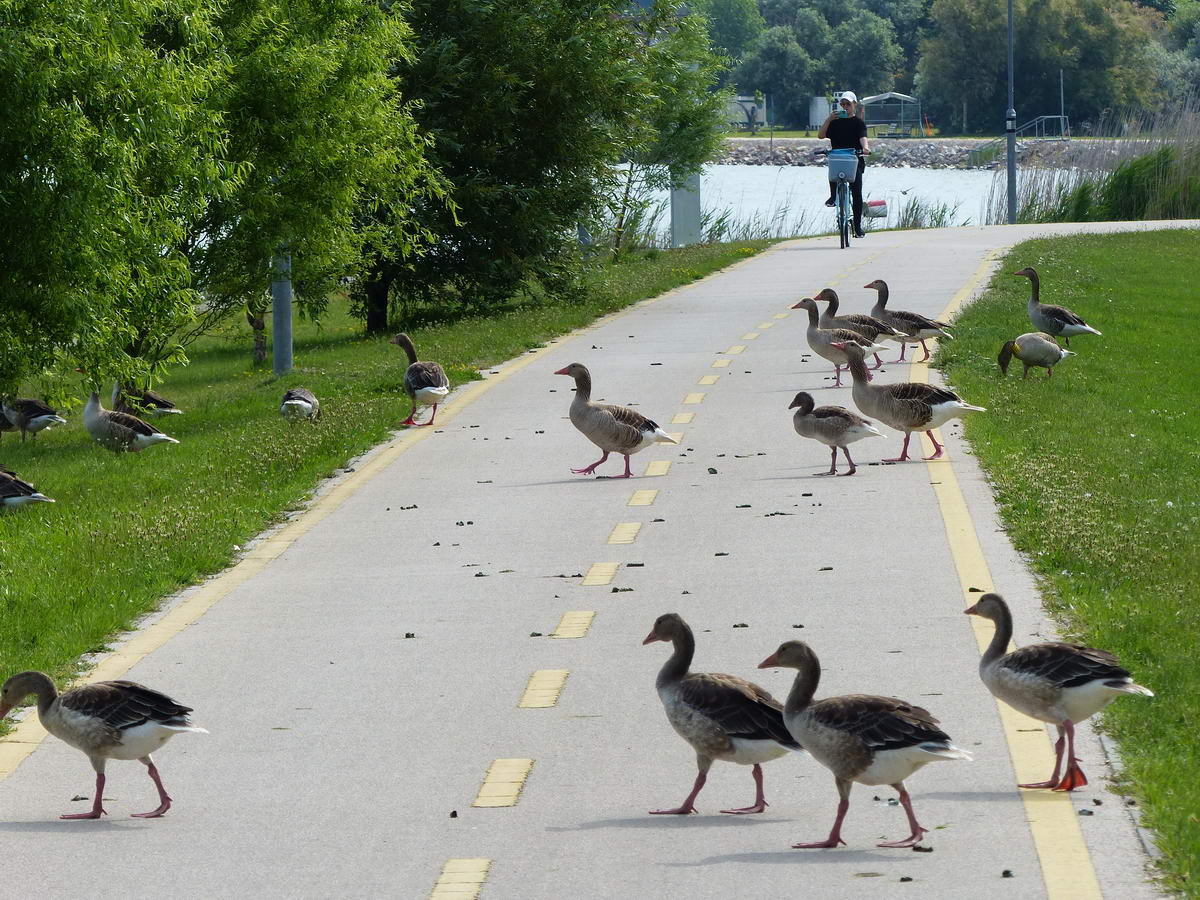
(732, 24)
(863, 54)
(775, 64)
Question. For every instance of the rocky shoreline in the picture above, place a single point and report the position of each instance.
(934, 153)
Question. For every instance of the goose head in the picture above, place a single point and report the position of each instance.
(574, 370)
(806, 303)
(20, 686)
(666, 628)
(877, 285)
(803, 401)
(790, 655)
(989, 606)
(827, 295)
(853, 351)
(1027, 272)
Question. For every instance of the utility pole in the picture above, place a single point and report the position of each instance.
(281, 313)
(1010, 127)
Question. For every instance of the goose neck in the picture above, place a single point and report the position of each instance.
(675, 668)
(1000, 639)
(1035, 288)
(583, 386)
(808, 676)
(410, 351)
(813, 316)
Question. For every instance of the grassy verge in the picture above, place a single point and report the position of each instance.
(128, 530)
(1095, 471)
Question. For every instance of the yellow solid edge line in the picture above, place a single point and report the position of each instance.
(624, 532)
(461, 878)
(601, 573)
(709, 379)
(574, 624)
(543, 689)
(1066, 864)
(683, 418)
(647, 496)
(721, 363)
(697, 397)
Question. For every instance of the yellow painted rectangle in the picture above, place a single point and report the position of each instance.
(625, 533)
(736, 349)
(543, 689)
(763, 326)
(721, 363)
(782, 315)
(643, 498)
(683, 418)
(601, 573)
(503, 783)
(709, 379)
(749, 335)
(697, 397)
(574, 624)
(461, 878)
(656, 467)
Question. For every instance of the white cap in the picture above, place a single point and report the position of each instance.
(849, 95)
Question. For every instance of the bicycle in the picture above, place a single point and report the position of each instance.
(843, 168)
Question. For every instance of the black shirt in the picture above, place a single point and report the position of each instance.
(844, 134)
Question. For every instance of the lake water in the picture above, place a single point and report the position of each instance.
(789, 200)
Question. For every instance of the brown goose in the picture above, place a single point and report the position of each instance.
(915, 326)
(5, 422)
(1035, 348)
(908, 406)
(870, 327)
(147, 402)
(120, 432)
(859, 738)
(15, 491)
(1053, 682)
(425, 382)
(721, 716)
(833, 426)
(31, 416)
(106, 720)
(1053, 320)
(300, 403)
(828, 343)
(614, 429)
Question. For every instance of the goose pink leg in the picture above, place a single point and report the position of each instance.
(835, 835)
(925, 347)
(98, 809)
(903, 349)
(903, 450)
(1058, 757)
(917, 831)
(687, 805)
(878, 363)
(432, 417)
(853, 468)
(937, 448)
(832, 463)
(760, 800)
(588, 470)
(410, 420)
(1073, 777)
(164, 799)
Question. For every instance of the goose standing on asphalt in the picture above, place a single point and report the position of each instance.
(870, 327)
(833, 426)
(120, 432)
(15, 491)
(1053, 320)
(425, 382)
(830, 343)
(908, 406)
(859, 738)
(106, 720)
(1034, 348)
(614, 429)
(300, 403)
(722, 716)
(147, 402)
(915, 326)
(32, 416)
(1053, 682)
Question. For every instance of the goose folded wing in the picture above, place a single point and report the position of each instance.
(31, 408)
(133, 423)
(1063, 315)
(12, 486)
(740, 707)
(1066, 665)
(624, 425)
(882, 723)
(299, 394)
(422, 375)
(846, 336)
(124, 704)
(913, 322)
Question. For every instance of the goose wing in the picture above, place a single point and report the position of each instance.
(31, 408)
(624, 425)
(917, 400)
(12, 486)
(124, 704)
(1061, 314)
(303, 394)
(881, 723)
(913, 322)
(740, 707)
(1065, 665)
(422, 375)
(132, 422)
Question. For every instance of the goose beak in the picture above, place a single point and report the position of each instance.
(797, 305)
(841, 345)
(651, 638)
(562, 371)
(972, 611)
(770, 662)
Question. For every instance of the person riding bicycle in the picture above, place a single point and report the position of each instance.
(846, 130)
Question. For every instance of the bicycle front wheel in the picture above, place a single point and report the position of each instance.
(844, 214)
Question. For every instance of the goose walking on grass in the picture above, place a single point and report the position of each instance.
(722, 716)
(425, 382)
(830, 344)
(106, 720)
(300, 403)
(31, 416)
(136, 402)
(1053, 320)
(120, 432)
(870, 327)
(1034, 349)
(15, 491)
(859, 738)
(833, 426)
(614, 429)
(915, 327)
(1062, 684)
(6, 423)
(908, 406)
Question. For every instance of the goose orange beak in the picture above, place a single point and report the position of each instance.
(562, 371)
(771, 662)
(651, 638)
(841, 345)
(972, 611)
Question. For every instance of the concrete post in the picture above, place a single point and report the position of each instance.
(1010, 127)
(281, 313)
(685, 213)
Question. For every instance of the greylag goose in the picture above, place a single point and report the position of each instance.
(915, 326)
(147, 402)
(859, 738)
(425, 382)
(119, 431)
(5, 422)
(614, 429)
(1052, 682)
(833, 426)
(722, 716)
(829, 343)
(299, 403)
(32, 416)
(908, 406)
(1035, 348)
(869, 327)
(15, 491)
(1054, 320)
(106, 720)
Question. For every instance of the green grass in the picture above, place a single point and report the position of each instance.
(128, 530)
(1096, 473)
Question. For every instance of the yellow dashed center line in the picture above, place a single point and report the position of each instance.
(656, 467)
(574, 624)
(625, 533)
(709, 379)
(721, 363)
(601, 573)
(543, 689)
(782, 315)
(736, 349)
(503, 782)
(749, 335)
(676, 436)
(461, 879)
(697, 397)
(683, 418)
(763, 326)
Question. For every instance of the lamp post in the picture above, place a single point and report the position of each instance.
(1010, 127)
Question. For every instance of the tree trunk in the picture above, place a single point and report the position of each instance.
(375, 292)
(964, 116)
(259, 326)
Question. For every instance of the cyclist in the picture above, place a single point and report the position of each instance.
(846, 130)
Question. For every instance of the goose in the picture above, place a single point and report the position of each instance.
(1053, 682)
(106, 720)
(859, 738)
(1053, 320)
(119, 431)
(915, 326)
(614, 429)
(1035, 348)
(833, 426)
(425, 382)
(147, 402)
(15, 491)
(908, 406)
(830, 343)
(5, 422)
(869, 327)
(32, 416)
(299, 403)
(722, 716)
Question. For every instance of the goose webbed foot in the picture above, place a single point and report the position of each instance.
(910, 841)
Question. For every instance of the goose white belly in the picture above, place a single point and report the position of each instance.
(428, 396)
(941, 413)
(892, 766)
(295, 409)
(749, 751)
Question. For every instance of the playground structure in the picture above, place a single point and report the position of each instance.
(893, 115)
